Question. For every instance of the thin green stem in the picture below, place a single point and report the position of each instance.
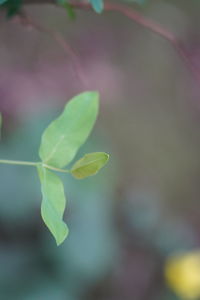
(17, 162)
(55, 169)
(31, 163)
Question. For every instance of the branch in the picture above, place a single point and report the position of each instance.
(155, 28)
(122, 9)
(57, 36)
(152, 26)
(138, 18)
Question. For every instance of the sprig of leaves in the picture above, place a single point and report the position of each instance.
(59, 145)
(60, 142)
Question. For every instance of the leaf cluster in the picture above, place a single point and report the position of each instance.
(59, 145)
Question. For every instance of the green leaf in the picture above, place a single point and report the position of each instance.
(3, 1)
(97, 5)
(53, 204)
(64, 136)
(89, 164)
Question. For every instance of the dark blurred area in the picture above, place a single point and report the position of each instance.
(144, 206)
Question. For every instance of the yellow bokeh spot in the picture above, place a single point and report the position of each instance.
(182, 272)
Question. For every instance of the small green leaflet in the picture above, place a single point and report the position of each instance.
(97, 5)
(64, 136)
(89, 164)
(53, 204)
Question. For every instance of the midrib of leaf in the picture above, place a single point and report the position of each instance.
(91, 162)
(55, 148)
(63, 136)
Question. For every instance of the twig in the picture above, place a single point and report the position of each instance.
(58, 37)
(150, 25)
(133, 15)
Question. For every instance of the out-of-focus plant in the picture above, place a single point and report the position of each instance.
(59, 145)
(182, 272)
(52, 213)
(13, 6)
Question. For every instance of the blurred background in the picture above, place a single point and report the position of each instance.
(134, 227)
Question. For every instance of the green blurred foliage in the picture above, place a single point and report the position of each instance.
(2, 1)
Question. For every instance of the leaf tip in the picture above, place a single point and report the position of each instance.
(59, 241)
(93, 94)
(93, 97)
(107, 156)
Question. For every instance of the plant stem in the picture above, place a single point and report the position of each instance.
(30, 163)
(17, 162)
(55, 169)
